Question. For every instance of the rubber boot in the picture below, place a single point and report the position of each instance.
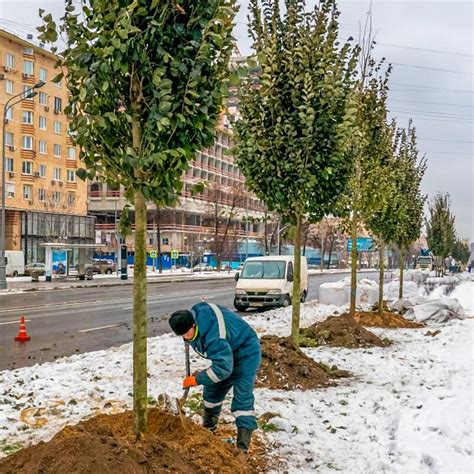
(244, 435)
(210, 419)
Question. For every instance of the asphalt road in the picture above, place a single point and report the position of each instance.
(77, 320)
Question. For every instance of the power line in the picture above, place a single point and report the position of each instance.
(431, 87)
(435, 113)
(433, 69)
(429, 103)
(446, 153)
(425, 49)
(441, 140)
(433, 119)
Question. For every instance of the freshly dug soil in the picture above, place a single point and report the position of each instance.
(387, 320)
(340, 331)
(286, 367)
(106, 444)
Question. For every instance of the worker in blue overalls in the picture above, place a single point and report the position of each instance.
(233, 348)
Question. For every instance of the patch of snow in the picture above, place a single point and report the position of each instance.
(464, 293)
(408, 407)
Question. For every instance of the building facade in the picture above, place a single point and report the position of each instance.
(45, 201)
(224, 219)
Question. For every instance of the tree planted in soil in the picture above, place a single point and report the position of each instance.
(295, 123)
(440, 226)
(404, 213)
(146, 81)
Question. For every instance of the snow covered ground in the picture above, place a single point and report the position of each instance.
(409, 408)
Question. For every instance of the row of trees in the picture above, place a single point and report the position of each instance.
(314, 138)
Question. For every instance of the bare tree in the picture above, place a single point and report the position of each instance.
(224, 204)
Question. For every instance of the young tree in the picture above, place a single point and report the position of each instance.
(404, 213)
(295, 124)
(440, 226)
(370, 148)
(461, 252)
(146, 82)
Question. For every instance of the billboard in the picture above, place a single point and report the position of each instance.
(59, 262)
(363, 244)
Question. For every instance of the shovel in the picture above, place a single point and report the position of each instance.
(181, 401)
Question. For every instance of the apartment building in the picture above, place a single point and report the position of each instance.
(223, 217)
(45, 201)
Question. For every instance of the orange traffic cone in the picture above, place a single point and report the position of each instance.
(22, 335)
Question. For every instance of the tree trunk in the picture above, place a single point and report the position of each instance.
(353, 266)
(140, 320)
(330, 252)
(381, 275)
(400, 289)
(295, 315)
(140, 394)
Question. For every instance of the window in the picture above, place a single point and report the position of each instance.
(58, 104)
(56, 196)
(42, 75)
(27, 117)
(41, 194)
(57, 126)
(10, 61)
(165, 241)
(71, 198)
(26, 191)
(9, 86)
(10, 190)
(42, 147)
(9, 114)
(9, 165)
(8, 139)
(27, 167)
(71, 153)
(27, 142)
(57, 150)
(71, 176)
(42, 122)
(28, 67)
(42, 171)
(27, 92)
(43, 98)
(263, 269)
(57, 83)
(57, 174)
(28, 50)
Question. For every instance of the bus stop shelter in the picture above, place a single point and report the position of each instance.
(63, 260)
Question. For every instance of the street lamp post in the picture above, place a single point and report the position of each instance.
(28, 94)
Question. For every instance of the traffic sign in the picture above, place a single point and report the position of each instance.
(174, 254)
(153, 253)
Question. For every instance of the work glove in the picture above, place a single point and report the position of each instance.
(190, 382)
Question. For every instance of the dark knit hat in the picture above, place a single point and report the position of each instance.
(181, 321)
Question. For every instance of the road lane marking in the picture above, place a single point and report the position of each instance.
(99, 328)
(17, 321)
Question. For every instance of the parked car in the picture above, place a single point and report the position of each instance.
(202, 267)
(103, 265)
(35, 269)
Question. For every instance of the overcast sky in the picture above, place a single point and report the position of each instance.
(436, 36)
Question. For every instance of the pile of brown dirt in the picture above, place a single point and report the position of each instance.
(340, 331)
(106, 444)
(286, 367)
(387, 320)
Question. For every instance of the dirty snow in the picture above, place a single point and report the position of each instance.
(409, 407)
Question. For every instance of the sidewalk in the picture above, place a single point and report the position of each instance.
(23, 284)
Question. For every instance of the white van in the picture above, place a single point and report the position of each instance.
(15, 262)
(268, 282)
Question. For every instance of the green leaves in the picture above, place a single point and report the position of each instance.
(171, 89)
(294, 125)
